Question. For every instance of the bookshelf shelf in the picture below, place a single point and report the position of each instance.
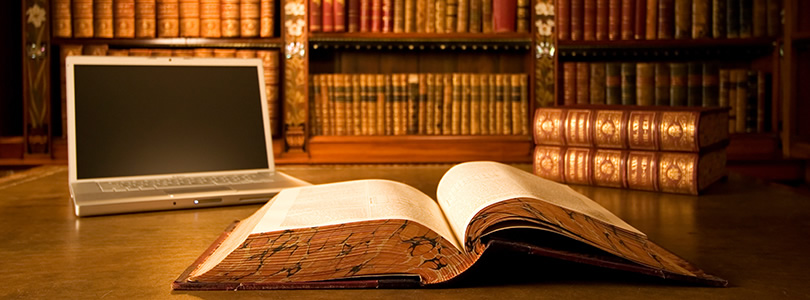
(178, 42)
(422, 41)
(663, 49)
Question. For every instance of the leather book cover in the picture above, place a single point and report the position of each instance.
(266, 18)
(357, 104)
(475, 16)
(628, 78)
(376, 16)
(475, 104)
(168, 18)
(103, 19)
(339, 15)
(421, 16)
(732, 99)
(666, 19)
(145, 18)
(462, 24)
(628, 21)
(651, 20)
(63, 19)
(602, 17)
(327, 15)
(124, 19)
(683, 19)
(589, 20)
(613, 83)
(764, 90)
(353, 14)
(678, 90)
(430, 103)
(662, 84)
(189, 18)
(524, 104)
(229, 14)
(498, 120)
(583, 78)
(440, 14)
(694, 84)
(701, 19)
(379, 87)
(522, 16)
(645, 83)
(315, 18)
(410, 16)
(494, 92)
(466, 104)
(640, 28)
(724, 87)
(564, 21)
(503, 15)
(210, 23)
(577, 20)
(447, 104)
(746, 20)
(365, 15)
(83, 18)
(371, 108)
(339, 92)
(399, 15)
(751, 101)
(760, 18)
(455, 107)
(569, 83)
(516, 103)
(615, 20)
(250, 17)
(486, 17)
(388, 114)
(733, 19)
(718, 18)
(711, 85)
(412, 103)
(597, 83)
(774, 18)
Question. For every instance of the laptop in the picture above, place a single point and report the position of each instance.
(162, 133)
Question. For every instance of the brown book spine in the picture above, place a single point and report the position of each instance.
(583, 79)
(725, 84)
(250, 18)
(462, 22)
(719, 19)
(438, 104)
(339, 15)
(662, 83)
(103, 18)
(577, 20)
(613, 83)
(327, 15)
(266, 18)
(694, 84)
(733, 19)
(609, 168)
(145, 18)
(229, 14)
(376, 16)
(486, 16)
(410, 16)
(651, 20)
(327, 106)
(615, 20)
(316, 116)
(315, 18)
(354, 16)
(475, 15)
(371, 98)
(148, 52)
(388, 114)
(774, 21)
(430, 103)
(365, 15)
(441, 23)
(339, 104)
(62, 19)
(629, 83)
(642, 130)
(746, 20)
(243, 53)
(175, 52)
(564, 19)
(589, 20)
(701, 15)
(494, 94)
(602, 17)
(161, 52)
(760, 18)
(379, 86)
(475, 104)
(645, 83)
(225, 53)
(168, 18)
(683, 19)
(357, 104)
(447, 105)
(83, 18)
(95, 49)
(503, 15)
(421, 16)
(522, 16)
(124, 18)
(516, 104)
(628, 24)
(399, 15)
(569, 83)
(666, 19)
(466, 104)
(678, 91)
(639, 25)
(524, 104)
(548, 162)
(455, 108)
(499, 104)
(762, 102)
(578, 127)
(189, 18)
(422, 98)
(750, 94)
(210, 18)
(412, 117)
(483, 84)
(387, 16)
(711, 85)
(642, 170)
(597, 83)
(506, 111)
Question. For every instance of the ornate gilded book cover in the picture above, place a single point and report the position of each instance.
(688, 129)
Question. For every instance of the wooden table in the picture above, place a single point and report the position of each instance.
(754, 234)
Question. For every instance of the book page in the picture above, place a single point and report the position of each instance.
(353, 201)
(470, 187)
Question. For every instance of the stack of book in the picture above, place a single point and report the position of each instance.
(666, 19)
(422, 16)
(675, 150)
(163, 18)
(419, 104)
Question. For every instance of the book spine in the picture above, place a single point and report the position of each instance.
(438, 103)
(410, 15)
(365, 15)
(83, 18)
(506, 109)
(577, 19)
(315, 105)
(589, 20)
(387, 16)
(719, 21)
(379, 97)
(354, 16)
(628, 83)
(746, 18)
(441, 12)
(577, 127)
(602, 18)
(666, 19)
(610, 129)
(250, 17)
(430, 16)
(548, 163)
(640, 28)
(763, 102)
(189, 18)
(774, 20)
(63, 19)
(399, 15)
(597, 83)
(760, 18)
(357, 104)
(168, 18)
(486, 17)
(642, 130)
(751, 101)
(678, 91)
(503, 15)
(694, 84)
(563, 24)
(475, 15)
(124, 17)
(613, 83)
(583, 75)
(229, 14)
(733, 19)
(327, 15)
(483, 83)
(376, 22)
(339, 103)
(462, 22)
(466, 104)
(423, 104)
(499, 103)
(210, 23)
(742, 98)
(701, 19)
(614, 20)
(683, 19)
(267, 15)
(455, 108)
(315, 18)
(103, 18)
(723, 76)
(430, 103)
(339, 15)
(522, 16)
(373, 103)
(412, 118)
(651, 20)
(517, 104)
(447, 106)
(628, 19)
(732, 101)
(569, 83)
(524, 104)
(711, 85)
(662, 84)
(645, 83)
(642, 170)
(421, 16)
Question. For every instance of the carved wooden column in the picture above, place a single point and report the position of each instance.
(295, 75)
(36, 79)
(545, 49)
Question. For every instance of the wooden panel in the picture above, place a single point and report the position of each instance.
(36, 77)
(295, 74)
(419, 149)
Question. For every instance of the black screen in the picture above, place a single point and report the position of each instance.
(143, 120)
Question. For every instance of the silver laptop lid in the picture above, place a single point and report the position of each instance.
(131, 117)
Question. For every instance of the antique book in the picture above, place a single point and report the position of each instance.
(486, 17)
(652, 128)
(628, 24)
(224, 52)
(666, 19)
(62, 19)
(145, 18)
(645, 83)
(694, 84)
(451, 15)
(339, 15)
(732, 100)
(124, 19)
(162, 52)
(651, 20)
(357, 100)
(103, 19)
(659, 171)
(602, 17)
(597, 83)
(315, 19)
(95, 49)
(719, 22)
(463, 24)
(168, 18)
(82, 18)
(410, 16)
(640, 26)
(589, 20)
(447, 105)
(475, 104)
(353, 16)
(498, 113)
(774, 18)
(504, 13)
(506, 110)
(563, 24)
(438, 103)
(711, 85)
(376, 16)
(189, 18)
(613, 83)
(229, 14)
(266, 18)
(250, 18)
(746, 18)
(725, 84)
(210, 23)
(327, 16)
(456, 103)
(412, 109)
(398, 21)
(764, 90)
(760, 18)
(524, 104)
(430, 103)
(475, 15)
(577, 20)
(569, 83)
(371, 109)
(628, 78)
(332, 236)
(148, 52)
(678, 87)
(494, 94)
(683, 19)
(583, 78)
(701, 18)
(662, 84)
(466, 103)
(387, 17)
(379, 87)
(483, 83)
(733, 19)
(614, 20)
(339, 104)
(518, 100)
(751, 113)
(522, 16)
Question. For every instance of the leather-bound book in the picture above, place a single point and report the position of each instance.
(662, 84)
(475, 15)
(732, 100)
(438, 103)
(224, 52)
(63, 19)
(764, 90)
(422, 99)
(83, 18)
(357, 104)
(373, 103)
(724, 87)
(485, 111)
(613, 83)
(267, 18)
(455, 108)
(577, 20)
(229, 14)
(711, 85)
(189, 18)
(629, 83)
(719, 22)
(499, 104)
(315, 18)
(522, 16)
(463, 10)
(95, 49)
(615, 20)
(760, 18)
(451, 16)
(517, 99)
(597, 83)
(563, 24)
(387, 16)
(602, 18)
(168, 18)
(651, 20)
(741, 87)
(250, 18)
(746, 18)
(645, 83)
(124, 19)
(569, 83)
(524, 104)
(751, 101)
(589, 20)
(388, 114)
(733, 19)
(412, 103)
(628, 20)
(701, 19)
(678, 91)
(503, 15)
(640, 26)
(507, 110)
(666, 19)
(430, 104)
(694, 84)
(210, 18)
(341, 104)
(774, 18)
(339, 15)
(376, 16)
(103, 19)
(486, 17)
(583, 79)
(353, 15)
(683, 19)
(198, 52)
(494, 94)
(421, 16)
(410, 15)
(466, 104)
(327, 15)
(399, 15)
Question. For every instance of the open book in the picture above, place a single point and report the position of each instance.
(364, 233)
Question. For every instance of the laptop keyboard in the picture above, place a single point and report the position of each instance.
(182, 181)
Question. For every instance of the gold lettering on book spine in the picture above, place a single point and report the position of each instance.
(577, 165)
(578, 127)
(679, 131)
(677, 172)
(608, 168)
(641, 130)
(548, 127)
(608, 129)
(641, 170)
(547, 163)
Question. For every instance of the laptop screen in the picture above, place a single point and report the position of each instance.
(149, 119)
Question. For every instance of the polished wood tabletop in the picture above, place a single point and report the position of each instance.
(754, 234)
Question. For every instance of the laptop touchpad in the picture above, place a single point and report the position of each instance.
(201, 189)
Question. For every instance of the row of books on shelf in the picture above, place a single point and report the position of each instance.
(677, 150)
(270, 64)
(667, 19)
(419, 104)
(163, 18)
(746, 92)
(419, 16)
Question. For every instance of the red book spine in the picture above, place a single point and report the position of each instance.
(589, 30)
(628, 17)
(666, 19)
(614, 20)
(387, 16)
(339, 9)
(327, 12)
(354, 16)
(563, 19)
(376, 15)
(640, 31)
(365, 15)
(503, 15)
(577, 19)
(602, 17)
